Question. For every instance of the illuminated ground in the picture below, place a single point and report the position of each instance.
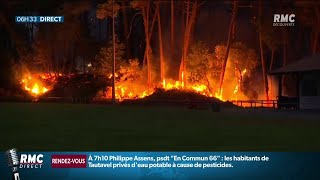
(68, 127)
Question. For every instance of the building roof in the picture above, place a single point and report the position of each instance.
(303, 65)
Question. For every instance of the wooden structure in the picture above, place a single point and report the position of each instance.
(307, 73)
(256, 103)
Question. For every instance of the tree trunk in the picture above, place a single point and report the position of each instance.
(31, 32)
(189, 22)
(263, 63)
(188, 13)
(264, 69)
(316, 32)
(148, 45)
(172, 31)
(114, 55)
(186, 18)
(233, 31)
(183, 28)
(272, 59)
(162, 75)
(149, 36)
(233, 20)
(315, 40)
(99, 30)
(125, 26)
(84, 65)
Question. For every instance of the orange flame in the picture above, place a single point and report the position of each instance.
(35, 85)
(182, 78)
(219, 94)
(125, 91)
(133, 90)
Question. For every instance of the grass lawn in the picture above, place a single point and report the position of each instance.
(74, 127)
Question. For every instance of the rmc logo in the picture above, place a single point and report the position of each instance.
(283, 19)
(31, 161)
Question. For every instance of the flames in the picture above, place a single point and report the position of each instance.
(36, 89)
(37, 84)
(236, 89)
(134, 90)
(219, 95)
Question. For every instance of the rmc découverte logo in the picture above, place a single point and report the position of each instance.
(283, 19)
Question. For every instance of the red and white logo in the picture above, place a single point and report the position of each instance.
(69, 161)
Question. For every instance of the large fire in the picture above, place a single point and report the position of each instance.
(37, 84)
(125, 90)
(40, 83)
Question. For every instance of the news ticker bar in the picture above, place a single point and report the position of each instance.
(157, 165)
(39, 19)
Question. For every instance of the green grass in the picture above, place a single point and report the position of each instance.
(71, 127)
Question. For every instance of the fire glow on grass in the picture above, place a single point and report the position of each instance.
(37, 84)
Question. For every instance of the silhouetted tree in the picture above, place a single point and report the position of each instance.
(162, 75)
(232, 22)
(144, 6)
(190, 21)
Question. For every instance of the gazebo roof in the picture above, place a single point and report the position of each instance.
(304, 65)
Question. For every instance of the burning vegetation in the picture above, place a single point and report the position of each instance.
(203, 66)
(38, 84)
(201, 75)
